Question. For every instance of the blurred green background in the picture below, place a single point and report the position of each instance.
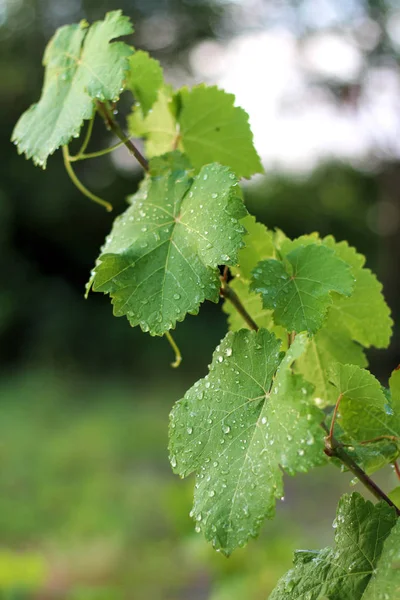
(89, 509)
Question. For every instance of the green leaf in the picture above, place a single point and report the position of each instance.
(161, 259)
(213, 129)
(365, 314)
(385, 584)
(330, 344)
(237, 428)
(395, 496)
(158, 127)
(145, 79)
(363, 411)
(259, 244)
(363, 540)
(299, 290)
(81, 66)
(368, 423)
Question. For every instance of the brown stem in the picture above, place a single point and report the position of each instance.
(396, 468)
(334, 449)
(330, 436)
(112, 124)
(392, 438)
(227, 292)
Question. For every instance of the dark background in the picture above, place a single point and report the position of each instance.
(88, 507)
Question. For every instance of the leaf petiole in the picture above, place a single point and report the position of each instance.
(173, 344)
(87, 136)
(79, 184)
(99, 153)
(112, 124)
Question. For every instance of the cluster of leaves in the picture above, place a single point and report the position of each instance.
(300, 312)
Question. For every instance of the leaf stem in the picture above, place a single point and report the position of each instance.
(392, 438)
(397, 468)
(330, 436)
(227, 292)
(79, 184)
(334, 449)
(99, 153)
(112, 124)
(178, 356)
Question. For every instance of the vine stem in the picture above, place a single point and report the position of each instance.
(227, 292)
(79, 184)
(174, 346)
(397, 468)
(334, 449)
(83, 156)
(112, 124)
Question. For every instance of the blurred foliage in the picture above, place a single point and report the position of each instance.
(89, 508)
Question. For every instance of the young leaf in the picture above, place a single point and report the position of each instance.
(237, 432)
(145, 79)
(365, 314)
(368, 422)
(385, 583)
(363, 411)
(363, 541)
(160, 261)
(81, 66)
(299, 290)
(331, 344)
(213, 129)
(259, 245)
(158, 127)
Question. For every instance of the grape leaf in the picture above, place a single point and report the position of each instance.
(365, 314)
(364, 412)
(259, 244)
(331, 344)
(362, 542)
(158, 127)
(160, 261)
(213, 129)
(299, 290)
(395, 496)
(368, 422)
(145, 79)
(81, 66)
(237, 428)
(385, 583)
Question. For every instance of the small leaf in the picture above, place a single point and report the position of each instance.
(365, 314)
(366, 537)
(299, 290)
(213, 129)
(158, 127)
(237, 428)
(331, 344)
(145, 79)
(363, 407)
(161, 260)
(259, 244)
(81, 66)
